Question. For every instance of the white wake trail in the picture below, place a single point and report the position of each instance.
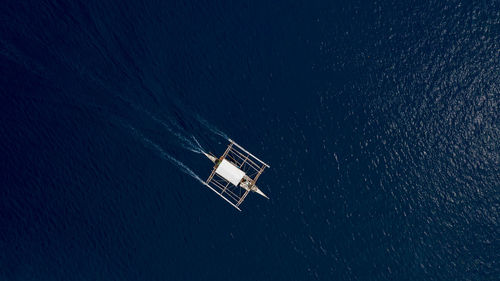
(185, 142)
(165, 155)
(211, 127)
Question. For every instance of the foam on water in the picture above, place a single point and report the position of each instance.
(163, 154)
(191, 145)
(211, 127)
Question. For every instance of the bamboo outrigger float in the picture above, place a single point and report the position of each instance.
(235, 174)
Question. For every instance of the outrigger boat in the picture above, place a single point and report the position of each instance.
(235, 174)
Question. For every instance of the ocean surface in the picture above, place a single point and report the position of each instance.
(380, 121)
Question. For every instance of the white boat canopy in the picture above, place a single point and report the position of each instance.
(230, 172)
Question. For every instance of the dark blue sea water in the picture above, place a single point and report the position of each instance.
(380, 121)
